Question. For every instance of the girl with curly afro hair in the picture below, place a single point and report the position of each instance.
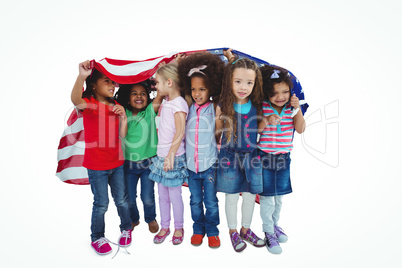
(200, 77)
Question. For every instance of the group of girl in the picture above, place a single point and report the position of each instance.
(202, 105)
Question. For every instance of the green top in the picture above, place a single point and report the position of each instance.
(142, 139)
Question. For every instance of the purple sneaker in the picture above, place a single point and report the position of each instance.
(254, 240)
(272, 243)
(282, 237)
(125, 238)
(237, 243)
(101, 246)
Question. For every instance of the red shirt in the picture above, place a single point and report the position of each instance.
(102, 143)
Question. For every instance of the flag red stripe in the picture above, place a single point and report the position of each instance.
(73, 161)
(71, 139)
(83, 181)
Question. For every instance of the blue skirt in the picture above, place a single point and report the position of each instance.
(275, 174)
(172, 178)
(239, 172)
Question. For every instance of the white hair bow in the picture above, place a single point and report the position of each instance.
(275, 74)
(197, 70)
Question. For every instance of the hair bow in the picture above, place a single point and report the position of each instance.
(197, 70)
(275, 74)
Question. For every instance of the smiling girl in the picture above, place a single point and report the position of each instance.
(139, 144)
(239, 169)
(276, 143)
(103, 156)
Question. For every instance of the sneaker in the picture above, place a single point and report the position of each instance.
(125, 238)
(176, 240)
(214, 241)
(272, 243)
(282, 237)
(101, 246)
(254, 240)
(237, 243)
(160, 238)
(196, 239)
(153, 226)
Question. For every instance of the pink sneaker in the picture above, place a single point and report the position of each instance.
(101, 246)
(125, 238)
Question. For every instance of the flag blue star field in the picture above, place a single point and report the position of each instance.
(71, 148)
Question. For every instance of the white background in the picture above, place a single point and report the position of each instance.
(345, 210)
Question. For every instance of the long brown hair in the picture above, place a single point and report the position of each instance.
(227, 97)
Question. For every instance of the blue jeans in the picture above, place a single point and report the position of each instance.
(202, 187)
(99, 180)
(133, 171)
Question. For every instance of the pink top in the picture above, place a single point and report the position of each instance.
(167, 129)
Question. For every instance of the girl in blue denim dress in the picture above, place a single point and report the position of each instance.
(201, 78)
(239, 166)
(275, 144)
(139, 146)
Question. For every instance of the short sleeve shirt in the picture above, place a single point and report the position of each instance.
(167, 128)
(102, 142)
(141, 139)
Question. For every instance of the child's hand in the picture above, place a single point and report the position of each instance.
(229, 55)
(169, 162)
(85, 69)
(119, 110)
(294, 101)
(273, 119)
(179, 57)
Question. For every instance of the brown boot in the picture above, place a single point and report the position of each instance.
(134, 224)
(153, 226)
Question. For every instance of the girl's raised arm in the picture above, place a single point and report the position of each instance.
(156, 103)
(76, 94)
(298, 120)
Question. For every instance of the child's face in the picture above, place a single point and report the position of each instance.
(199, 92)
(161, 85)
(104, 88)
(281, 95)
(242, 84)
(138, 97)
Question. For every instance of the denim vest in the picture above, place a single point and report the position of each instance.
(200, 137)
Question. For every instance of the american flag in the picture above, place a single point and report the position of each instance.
(70, 154)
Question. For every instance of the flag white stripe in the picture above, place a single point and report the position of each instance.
(77, 149)
(133, 69)
(72, 173)
(77, 126)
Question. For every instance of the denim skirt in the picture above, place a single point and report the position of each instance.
(275, 174)
(239, 172)
(172, 178)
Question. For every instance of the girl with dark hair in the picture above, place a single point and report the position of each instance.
(139, 146)
(200, 77)
(239, 169)
(104, 122)
(275, 144)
